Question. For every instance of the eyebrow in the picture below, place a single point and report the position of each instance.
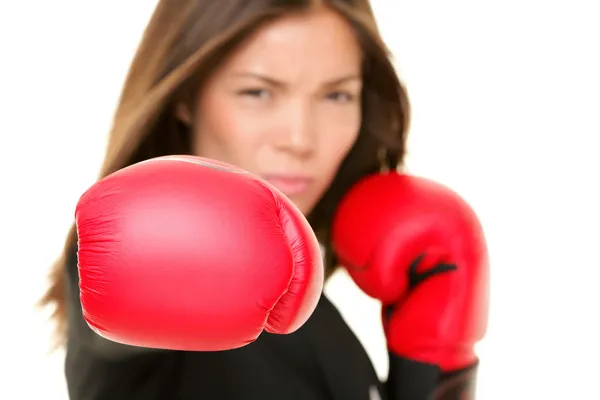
(276, 82)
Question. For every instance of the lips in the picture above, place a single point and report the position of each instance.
(290, 185)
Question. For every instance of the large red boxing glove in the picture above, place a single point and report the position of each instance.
(185, 253)
(420, 249)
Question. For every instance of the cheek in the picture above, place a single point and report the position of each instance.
(338, 131)
(226, 132)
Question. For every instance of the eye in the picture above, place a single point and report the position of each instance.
(341, 96)
(256, 93)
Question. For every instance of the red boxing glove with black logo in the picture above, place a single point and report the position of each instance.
(419, 248)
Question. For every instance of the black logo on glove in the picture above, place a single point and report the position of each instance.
(416, 277)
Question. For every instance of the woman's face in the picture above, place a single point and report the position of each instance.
(286, 106)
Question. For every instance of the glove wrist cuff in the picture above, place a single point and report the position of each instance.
(459, 385)
(409, 379)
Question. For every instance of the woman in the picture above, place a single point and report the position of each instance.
(283, 89)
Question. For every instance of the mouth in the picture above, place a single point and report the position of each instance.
(290, 185)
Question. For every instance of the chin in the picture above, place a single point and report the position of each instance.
(300, 205)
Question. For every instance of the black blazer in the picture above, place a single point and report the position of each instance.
(323, 360)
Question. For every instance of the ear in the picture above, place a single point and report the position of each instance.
(183, 113)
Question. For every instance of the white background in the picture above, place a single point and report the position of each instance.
(506, 98)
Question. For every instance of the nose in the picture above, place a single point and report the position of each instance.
(298, 135)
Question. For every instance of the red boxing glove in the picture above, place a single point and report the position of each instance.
(420, 249)
(185, 253)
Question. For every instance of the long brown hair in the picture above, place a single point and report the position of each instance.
(184, 42)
